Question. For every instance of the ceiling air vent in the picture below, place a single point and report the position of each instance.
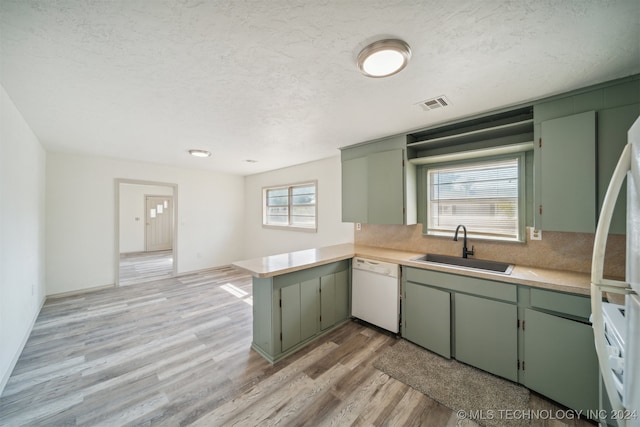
(435, 103)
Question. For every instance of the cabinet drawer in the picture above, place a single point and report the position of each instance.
(574, 305)
(465, 284)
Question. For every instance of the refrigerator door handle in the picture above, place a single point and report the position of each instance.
(598, 282)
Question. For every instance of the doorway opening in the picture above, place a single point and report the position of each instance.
(146, 231)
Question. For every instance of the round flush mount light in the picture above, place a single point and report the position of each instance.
(200, 153)
(384, 58)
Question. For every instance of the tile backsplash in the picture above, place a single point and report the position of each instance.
(556, 250)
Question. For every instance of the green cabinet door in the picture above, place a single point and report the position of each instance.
(385, 188)
(309, 310)
(560, 360)
(342, 295)
(568, 174)
(312, 306)
(327, 301)
(427, 318)
(377, 187)
(354, 190)
(290, 316)
(299, 312)
(334, 299)
(486, 335)
(613, 125)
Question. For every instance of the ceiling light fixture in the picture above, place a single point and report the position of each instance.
(384, 58)
(200, 153)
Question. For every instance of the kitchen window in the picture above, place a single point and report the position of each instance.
(290, 206)
(486, 195)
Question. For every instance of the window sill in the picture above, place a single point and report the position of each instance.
(475, 237)
(291, 228)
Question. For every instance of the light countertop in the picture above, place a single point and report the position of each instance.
(275, 265)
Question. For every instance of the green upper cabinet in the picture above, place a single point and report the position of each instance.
(579, 137)
(378, 185)
(355, 190)
(613, 125)
(568, 173)
(385, 187)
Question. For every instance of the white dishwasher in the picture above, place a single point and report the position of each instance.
(375, 293)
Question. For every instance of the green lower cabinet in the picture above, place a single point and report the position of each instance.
(290, 325)
(312, 306)
(427, 318)
(309, 309)
(328, 315)
(560, 360)
(342, 302)
(334, 299)
(293, 309)
(486, 335)
(537, 337)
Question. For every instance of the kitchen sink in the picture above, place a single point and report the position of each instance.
(470, 263)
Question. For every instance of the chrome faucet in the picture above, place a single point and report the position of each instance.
(465, 251)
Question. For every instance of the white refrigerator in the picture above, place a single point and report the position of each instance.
(617, 328)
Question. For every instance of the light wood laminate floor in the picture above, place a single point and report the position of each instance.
(177, 352)
(140, 267)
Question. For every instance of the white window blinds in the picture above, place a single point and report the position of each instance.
(481, 195)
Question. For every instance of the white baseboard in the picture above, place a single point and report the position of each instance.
(80, 291)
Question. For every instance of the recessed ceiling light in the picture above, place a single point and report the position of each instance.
(384, 58)
(200, 153)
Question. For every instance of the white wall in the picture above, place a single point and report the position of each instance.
(132, 214)
(81, 218)
(261, 241)
(22, 234)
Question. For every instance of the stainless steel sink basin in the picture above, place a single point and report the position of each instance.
(470, 263)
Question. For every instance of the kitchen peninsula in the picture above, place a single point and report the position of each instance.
(299, 296)
(302, 295)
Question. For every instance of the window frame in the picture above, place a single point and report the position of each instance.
(423, 198)
(290, 205)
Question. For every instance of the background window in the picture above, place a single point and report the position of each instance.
(485, 196)
(290, 206)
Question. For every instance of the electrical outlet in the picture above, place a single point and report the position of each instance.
(535, 234)
(358, 226)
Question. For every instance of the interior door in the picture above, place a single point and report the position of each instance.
(159, 223)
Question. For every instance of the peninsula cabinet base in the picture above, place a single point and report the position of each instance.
(293, 309)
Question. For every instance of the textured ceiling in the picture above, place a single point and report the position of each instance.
(276, 81)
